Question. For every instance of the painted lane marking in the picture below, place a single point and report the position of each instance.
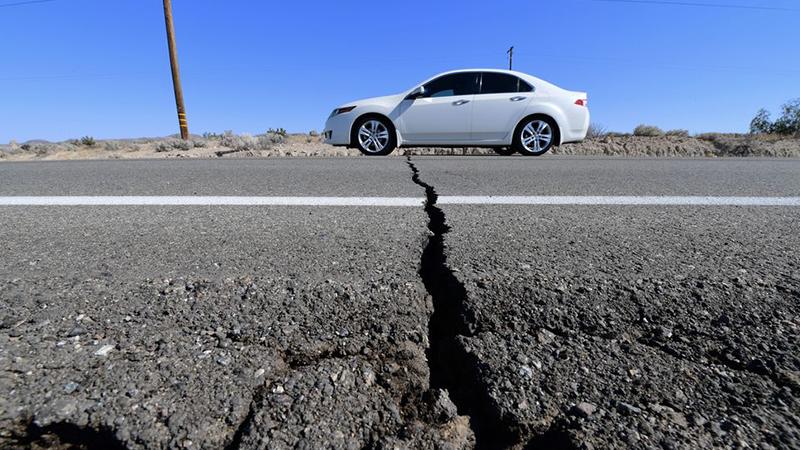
(620, 200)
(209, 201)
(393, 201)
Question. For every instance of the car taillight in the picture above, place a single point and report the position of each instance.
(582, 102)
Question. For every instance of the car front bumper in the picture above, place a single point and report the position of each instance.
(337, 129)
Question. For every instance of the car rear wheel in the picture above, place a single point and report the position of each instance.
(535, 136)
(374, 136)
(505, 151)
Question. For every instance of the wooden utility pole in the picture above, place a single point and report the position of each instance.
(510, 56)
(176, 76)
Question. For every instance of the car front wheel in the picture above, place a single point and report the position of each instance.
(374, 136)
(535, 136)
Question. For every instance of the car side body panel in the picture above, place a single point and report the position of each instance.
(440, 121)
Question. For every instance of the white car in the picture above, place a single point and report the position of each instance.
(502, 109)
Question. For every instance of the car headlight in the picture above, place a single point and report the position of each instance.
(338, 111)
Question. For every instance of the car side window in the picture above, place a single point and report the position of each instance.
(464, 83)
(523, 86)
(501, 83)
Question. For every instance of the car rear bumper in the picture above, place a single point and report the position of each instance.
(579, 126)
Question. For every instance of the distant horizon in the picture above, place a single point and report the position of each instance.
(246, 67)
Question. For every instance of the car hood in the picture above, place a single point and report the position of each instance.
(384, 100)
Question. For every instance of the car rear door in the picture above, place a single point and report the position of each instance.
(443, 114)
(499, 104)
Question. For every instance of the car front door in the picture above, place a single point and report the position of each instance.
(499, 104)
(443, 113)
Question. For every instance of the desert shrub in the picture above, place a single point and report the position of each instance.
(313, 133)
(173, 144)
(88, 141)
(787, 124)
(678, 133)
(228, 139)
(212, 136)
(708, 136)
(41, 149)
(596, 131)
(280, 131)
(197, 143)
(761, 123)
(247, 142)
(13, 147)
(648, 131)
(112, 146)
(275, 138)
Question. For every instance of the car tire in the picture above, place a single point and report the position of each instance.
(505, 151)
(374, 136)
(535, 136)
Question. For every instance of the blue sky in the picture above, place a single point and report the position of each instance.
(100, 68)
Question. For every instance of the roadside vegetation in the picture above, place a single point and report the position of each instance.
(768, 138)
(208, 144)
(788, 124)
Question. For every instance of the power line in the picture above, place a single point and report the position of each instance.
(701, 5)
(28, 2)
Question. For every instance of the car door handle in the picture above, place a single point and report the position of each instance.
(461, 102)
(517, 99)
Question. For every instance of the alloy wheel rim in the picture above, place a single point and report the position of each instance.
(373, 136)
(536, 136)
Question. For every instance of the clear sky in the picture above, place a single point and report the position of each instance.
(70, 68)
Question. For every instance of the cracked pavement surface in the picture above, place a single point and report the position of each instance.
(376, 327)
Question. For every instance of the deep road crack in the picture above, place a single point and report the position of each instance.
(453, 368)
(68, 435)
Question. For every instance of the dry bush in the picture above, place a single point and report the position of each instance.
(112, 146)
(275, 138)
(596, 131)
(173, 144)
(88, 141)
(648, 131)
(247, 142)
(678, 133)
(787, 125)
(708, 136)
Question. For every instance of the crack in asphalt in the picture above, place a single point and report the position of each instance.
(453, 368)
(70, 435)
(256, 404)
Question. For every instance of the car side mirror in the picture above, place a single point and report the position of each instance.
(416, 93)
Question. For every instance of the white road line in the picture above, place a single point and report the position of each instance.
(619, 200)
(209, 201)
(392, 201)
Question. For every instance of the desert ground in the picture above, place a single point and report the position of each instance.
(272, 144)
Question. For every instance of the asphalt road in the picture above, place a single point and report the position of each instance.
(448, 326)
